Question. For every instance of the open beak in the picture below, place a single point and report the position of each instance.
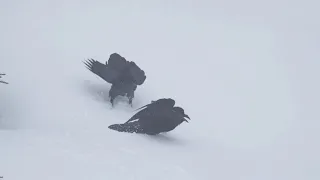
(186, 116)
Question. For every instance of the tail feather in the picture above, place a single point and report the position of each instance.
(133, 127)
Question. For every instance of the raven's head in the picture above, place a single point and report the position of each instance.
(181, 112)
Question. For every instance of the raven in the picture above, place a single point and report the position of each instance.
(124, 75)
(157, 117)
(3, 81)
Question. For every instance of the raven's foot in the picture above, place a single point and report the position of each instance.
(130, 102)
(112, 101)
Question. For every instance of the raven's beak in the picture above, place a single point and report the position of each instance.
(186, 116)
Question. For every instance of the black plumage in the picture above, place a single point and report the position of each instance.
(157, 117)
(124, 75)
(3, 81)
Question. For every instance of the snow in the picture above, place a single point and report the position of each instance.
(246, 72)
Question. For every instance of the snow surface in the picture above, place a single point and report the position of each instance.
(246, 72)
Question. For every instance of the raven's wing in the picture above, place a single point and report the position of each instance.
(160, 103)
(138, 75)
(117, 62)
(154, 108)
(140, 114)
(104, 71)
(165, 121)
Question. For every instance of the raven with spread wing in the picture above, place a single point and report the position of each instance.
(157, 117)
(124, 75)
(3, 81)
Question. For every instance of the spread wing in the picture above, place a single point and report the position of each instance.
(138, 75)
(154, 108)
(104, 71)
(3, 81)
(117, 68)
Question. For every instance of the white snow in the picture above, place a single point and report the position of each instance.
(246, 72)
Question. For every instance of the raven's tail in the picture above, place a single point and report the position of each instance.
(133, 127)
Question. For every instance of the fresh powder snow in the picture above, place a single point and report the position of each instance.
(246, 72)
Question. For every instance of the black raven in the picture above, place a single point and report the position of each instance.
(3, 81)
(154, 118)
(124, 75)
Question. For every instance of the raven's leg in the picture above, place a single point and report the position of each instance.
(112, 95)
(130, 96)
(111, 101)
(130, 101)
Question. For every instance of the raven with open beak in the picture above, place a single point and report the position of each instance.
(157, 117)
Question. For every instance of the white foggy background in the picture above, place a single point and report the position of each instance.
(246, 72)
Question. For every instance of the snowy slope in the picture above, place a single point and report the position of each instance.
(245, 72)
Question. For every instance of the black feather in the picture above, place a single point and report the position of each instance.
(3, 81)
(158, 117)
(124, 76)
